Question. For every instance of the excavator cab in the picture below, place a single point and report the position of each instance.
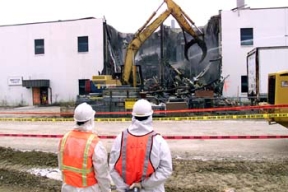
(277, 94)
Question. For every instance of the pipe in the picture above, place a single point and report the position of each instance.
(50, 94)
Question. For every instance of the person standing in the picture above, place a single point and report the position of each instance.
(140, 157)
(82, 157)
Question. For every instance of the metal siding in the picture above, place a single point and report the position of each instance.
(35, 83)
(61, 63)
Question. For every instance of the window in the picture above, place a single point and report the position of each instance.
(39, 46)
(246, 36)
(244, 84)
(83, 44)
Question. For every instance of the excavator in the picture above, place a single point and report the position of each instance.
(147, 30)
(128, 83)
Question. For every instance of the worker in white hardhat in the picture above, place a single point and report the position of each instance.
(82, 157)
(140, 157)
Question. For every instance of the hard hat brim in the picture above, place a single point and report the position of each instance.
(142, 115)
(92, 117)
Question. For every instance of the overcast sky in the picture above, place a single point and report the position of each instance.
(125, 15)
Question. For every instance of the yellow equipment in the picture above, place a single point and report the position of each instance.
(147, 30)
(105, 81)
(278, 94)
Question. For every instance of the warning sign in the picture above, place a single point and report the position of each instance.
(129, 103)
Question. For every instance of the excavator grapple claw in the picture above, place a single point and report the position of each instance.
(200, 43)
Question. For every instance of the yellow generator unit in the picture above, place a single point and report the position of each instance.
(278, 94)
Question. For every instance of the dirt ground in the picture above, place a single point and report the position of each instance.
(188, 175)
(233, 165)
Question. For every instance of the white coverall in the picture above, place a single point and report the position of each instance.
(100, 168)
(160, 158)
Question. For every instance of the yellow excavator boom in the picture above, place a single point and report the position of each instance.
(147, 30)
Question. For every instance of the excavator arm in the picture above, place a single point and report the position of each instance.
(183, 20)
(147, 30)
(135, 45)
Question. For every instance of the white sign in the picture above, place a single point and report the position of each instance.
(284, 84)
(15, 80)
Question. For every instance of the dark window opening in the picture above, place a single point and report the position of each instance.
(83, 45)
(39, 46)
(246, 36)
(244, 84)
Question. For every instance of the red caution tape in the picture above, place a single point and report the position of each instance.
(30, 135)
(228, 137)
(165, 137)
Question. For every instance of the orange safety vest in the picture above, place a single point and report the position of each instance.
(76, 150)
(134, 164)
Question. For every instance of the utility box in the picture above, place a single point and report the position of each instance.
(278, 94)
(278, 88)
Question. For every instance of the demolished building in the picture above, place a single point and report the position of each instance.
(149, 54)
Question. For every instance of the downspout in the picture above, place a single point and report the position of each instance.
(220, 43)
(50, 94)
(105, 49)
(161, 54)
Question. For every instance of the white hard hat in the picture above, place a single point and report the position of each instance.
(83, 112)
(142, 108)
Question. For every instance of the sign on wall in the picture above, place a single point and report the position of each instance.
(284, 83)
(15, 80)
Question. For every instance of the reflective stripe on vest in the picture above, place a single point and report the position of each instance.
(86, 169)
(147, 168)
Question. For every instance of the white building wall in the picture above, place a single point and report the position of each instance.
(270, 28)
(61, 63)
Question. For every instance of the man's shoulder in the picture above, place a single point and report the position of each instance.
(158, 137)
